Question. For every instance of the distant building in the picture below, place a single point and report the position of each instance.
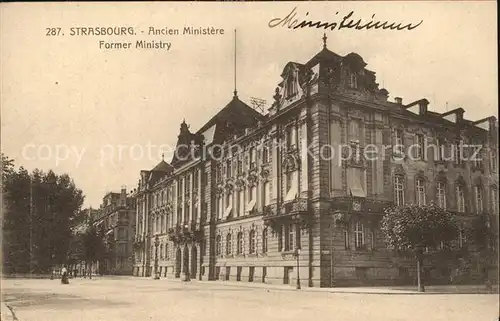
(116, 219)
(91, 213)
(277, 184)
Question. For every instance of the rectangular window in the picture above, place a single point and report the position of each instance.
(240, 165)
(291, 137)
(398, 141)
(291, 186)
(264, 241)
(354, 130)
(479, 199)
(399, 190)
(462, 238)
(221, 207)
(253, 161)
(297, 236)
(440, 153)
(267, 192)
(458, 152)
(346, 239)
(241, 203)
(441, 194)
(252, 198)
(359, 236)
(280, 238)
(478, 159)
(460, 199)
(228, 169)
(494, 200)
(420, 192)
(229, 244)
(239, 242)
(353, 81)
(419, 151)
(196, 178)
(266, 152)
(290, 238)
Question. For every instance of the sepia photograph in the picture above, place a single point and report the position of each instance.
(249, 161)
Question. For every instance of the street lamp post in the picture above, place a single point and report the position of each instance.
(157, 243)
(297, 254)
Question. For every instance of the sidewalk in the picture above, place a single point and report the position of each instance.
(407, 290)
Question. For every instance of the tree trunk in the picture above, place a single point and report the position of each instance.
(419, 272)
(90, 270)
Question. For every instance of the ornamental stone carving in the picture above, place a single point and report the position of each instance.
(291, 163)
(228, 188)
(252, 179)
(219, 190)
(264, 174)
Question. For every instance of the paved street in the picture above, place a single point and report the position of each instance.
(146, 299)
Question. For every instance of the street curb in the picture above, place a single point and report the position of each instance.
(331, 290)
(7, 313)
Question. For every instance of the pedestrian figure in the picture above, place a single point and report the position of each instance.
(64, 276)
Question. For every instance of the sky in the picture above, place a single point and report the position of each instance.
(103, 115)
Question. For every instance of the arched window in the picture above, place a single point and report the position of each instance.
(218, 245)
(239, 243)
(252, 241)
(229, 244)
(264, 240)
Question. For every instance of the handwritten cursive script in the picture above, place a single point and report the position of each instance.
(290, 21)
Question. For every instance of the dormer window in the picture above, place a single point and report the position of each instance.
(353, 80)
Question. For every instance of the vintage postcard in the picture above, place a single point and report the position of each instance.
(249, 160)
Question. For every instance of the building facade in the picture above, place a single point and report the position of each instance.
(116, 220)
(300, 191)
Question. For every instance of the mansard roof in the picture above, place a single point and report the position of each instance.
(324, 55)
(233, 118)
(163, 167)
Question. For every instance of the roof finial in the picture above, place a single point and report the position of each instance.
(324, 40)
(235, 92)
(162, 156)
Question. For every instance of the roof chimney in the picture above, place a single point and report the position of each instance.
(398, 100)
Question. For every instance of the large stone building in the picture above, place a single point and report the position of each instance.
(247, 190)
(116, 219)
